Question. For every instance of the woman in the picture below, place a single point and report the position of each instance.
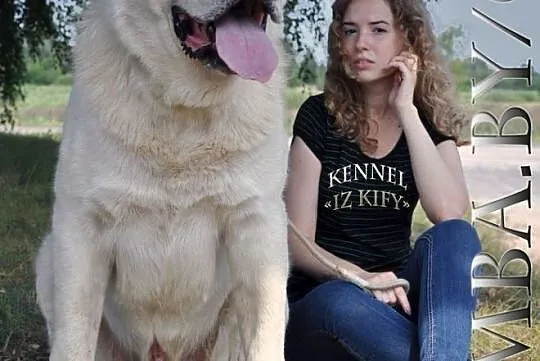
(381, 137)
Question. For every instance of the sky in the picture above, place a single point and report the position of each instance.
(522, 16)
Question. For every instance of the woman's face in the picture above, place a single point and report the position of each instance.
(370, 40)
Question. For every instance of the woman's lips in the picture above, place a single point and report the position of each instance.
(363, 63)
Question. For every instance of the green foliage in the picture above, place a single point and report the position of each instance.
(307, 73)
(45, 70)
(11, 68)
(41, 73)
(449, 39)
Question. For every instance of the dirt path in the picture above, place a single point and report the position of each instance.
(33, 129)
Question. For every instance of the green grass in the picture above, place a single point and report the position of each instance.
(504, 95)
(26, 172)
(43, 105)
(497, 102)
(47, 95)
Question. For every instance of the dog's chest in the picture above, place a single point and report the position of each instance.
(168, 262)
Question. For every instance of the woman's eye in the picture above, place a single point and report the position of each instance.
(349, 31)
(380, 30)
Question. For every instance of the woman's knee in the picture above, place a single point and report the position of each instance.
(454, 237)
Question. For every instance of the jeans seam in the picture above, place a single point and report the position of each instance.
(429, 298)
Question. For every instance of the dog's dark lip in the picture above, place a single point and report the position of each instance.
(207, 54)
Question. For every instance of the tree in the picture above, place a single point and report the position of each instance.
(29, 23)
(449, 39)
(25, 25)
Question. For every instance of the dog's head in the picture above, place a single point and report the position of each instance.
(193, 49)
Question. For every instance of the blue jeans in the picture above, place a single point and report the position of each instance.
(338, 321)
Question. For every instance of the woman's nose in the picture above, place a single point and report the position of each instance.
(362, 42)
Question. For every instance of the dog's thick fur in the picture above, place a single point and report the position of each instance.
(169, 227)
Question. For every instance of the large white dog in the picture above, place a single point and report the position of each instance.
(169, 233)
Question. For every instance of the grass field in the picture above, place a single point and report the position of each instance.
(44, 106)
(26, 172)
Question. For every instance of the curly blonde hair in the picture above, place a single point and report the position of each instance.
(434, 95)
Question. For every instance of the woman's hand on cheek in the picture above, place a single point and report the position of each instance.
(402, 94)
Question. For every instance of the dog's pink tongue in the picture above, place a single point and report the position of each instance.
(245, 48)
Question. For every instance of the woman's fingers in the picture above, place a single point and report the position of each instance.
(403, 69)
(403, 300)
(410, 60)
(391, 296)
(386, 296)
(378, 295)
(394, 296)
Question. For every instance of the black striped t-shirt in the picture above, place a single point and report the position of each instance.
(365, 205)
